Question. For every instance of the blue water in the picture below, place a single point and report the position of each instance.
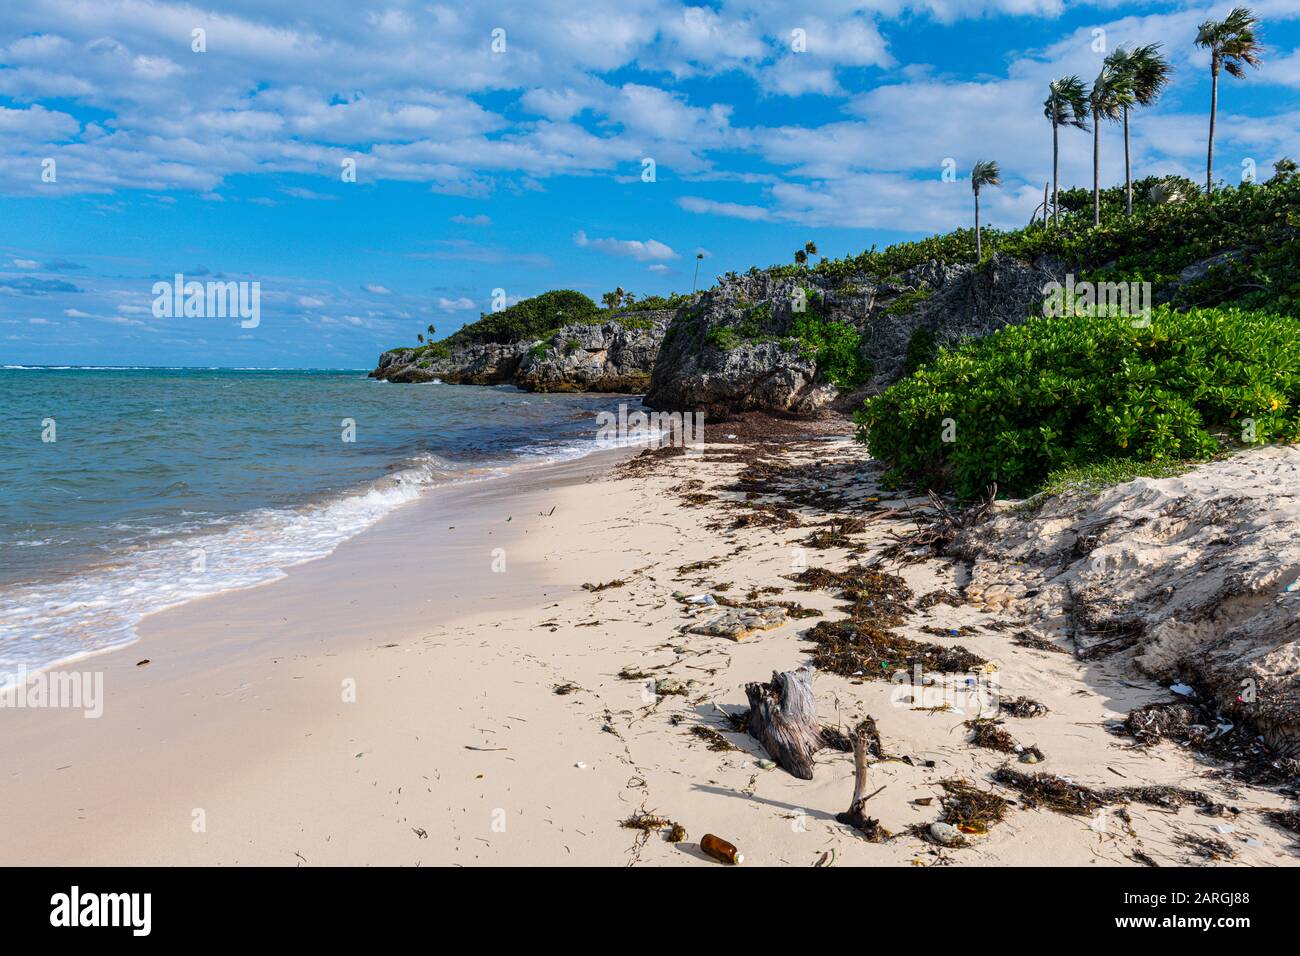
(162, 485)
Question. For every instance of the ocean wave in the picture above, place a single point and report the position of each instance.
(99, 609)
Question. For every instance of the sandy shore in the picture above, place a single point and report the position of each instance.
(395, 703)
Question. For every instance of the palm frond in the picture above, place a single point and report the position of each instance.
(985, 173)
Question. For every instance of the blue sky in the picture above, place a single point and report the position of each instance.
(521, 168)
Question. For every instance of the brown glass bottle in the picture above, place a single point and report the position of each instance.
(721, 850)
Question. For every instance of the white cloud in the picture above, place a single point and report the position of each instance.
(648, 250)
(456, 305)
(734, 210)
(479, 220)
(375, 289)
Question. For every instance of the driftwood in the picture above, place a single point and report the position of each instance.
(783, 718)
(857, 812)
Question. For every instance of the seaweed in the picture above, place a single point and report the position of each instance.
(715, 741)
(1049, 790)
(1029, 639)
(1206, 847)
(1192, 725)
(970, 809)
(932, 598)
(1022, 707)
(616, 583)
(696, 566)
(566, 688)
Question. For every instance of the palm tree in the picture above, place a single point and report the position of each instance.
(431, 332)
(1066, 105)
(984, 173)
(810, 247)
(1110, 96)
(1232, 43)
(1146, 73)
(800, 256)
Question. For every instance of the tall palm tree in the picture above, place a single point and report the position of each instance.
(984, 173)
(1146, 73)
(1111, 95)
(1066, 105)
(1232, 43)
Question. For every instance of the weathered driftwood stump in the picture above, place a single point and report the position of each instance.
(783, 718)
(857, 813)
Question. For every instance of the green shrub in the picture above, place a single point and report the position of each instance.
(1062, 393)
(908, 301)
(533, 318)
(836, 347)
(921, 350)
(723, 337)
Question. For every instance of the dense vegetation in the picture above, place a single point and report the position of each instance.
(1077, 391)
(1161, 238)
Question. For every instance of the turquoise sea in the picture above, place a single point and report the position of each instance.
(127, 490)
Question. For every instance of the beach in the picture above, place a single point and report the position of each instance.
(442, 689)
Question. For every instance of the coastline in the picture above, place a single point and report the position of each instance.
(458, 750)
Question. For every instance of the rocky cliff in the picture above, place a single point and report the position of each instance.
(776, 342)
(614, 354)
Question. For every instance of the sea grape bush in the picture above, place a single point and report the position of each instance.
(1069, 392)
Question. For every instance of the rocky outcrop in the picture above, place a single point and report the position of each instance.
(1196, 577)
(614, 355)
(740, 347)
(947, 304)
(730, 351)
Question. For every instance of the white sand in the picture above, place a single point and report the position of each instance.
(240, 719)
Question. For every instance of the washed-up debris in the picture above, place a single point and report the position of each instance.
(1051, 791)
(855, 648)
(698, 498)
(697, 566)
(616, 583)
(1140, 857)
(632, 672)
(945, 834)
(670, 687)
(794, 609)
(1192, 725)
(783, 718)
(1030, 639)
(1287, 819)
(676, 834)
(721, 850)
(836, 739)
(565, 689)
(936, 529)
(1022, 707)
(933, 598)
(1207, 847)
(1183, 690)
(970, 809)
(964, 631)
(713, 739)
(865, 736)
(739, 623)
(989, 733)
(1168, 797)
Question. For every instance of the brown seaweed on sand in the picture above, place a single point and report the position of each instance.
(970, 809)
(853, 648)
(1051, 791)
(715, 741)
(616, 583)
(1022, 707)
